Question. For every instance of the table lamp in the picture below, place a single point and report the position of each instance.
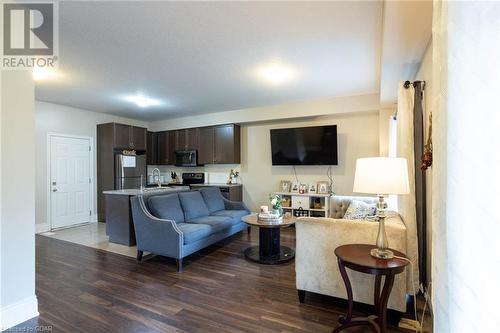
(381, 176)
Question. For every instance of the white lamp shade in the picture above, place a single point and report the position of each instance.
(381, 175)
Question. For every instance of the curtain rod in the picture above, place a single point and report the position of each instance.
(406, 85)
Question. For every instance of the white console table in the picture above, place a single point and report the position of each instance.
(306, 204)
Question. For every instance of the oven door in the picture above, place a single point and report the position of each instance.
(186, 158)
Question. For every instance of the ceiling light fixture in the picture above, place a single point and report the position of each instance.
(142, 101)
(43, 73)
(276, 73)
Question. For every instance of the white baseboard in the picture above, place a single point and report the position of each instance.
(18, 312)
(41, 227)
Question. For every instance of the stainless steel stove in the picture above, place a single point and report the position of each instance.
(189, 178)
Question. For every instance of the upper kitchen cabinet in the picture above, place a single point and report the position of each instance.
(128, 137)
(166, 147)
(227, 144)
(121, 135)
(219, 145)
(138, 138)
(186, 139)
(206, 154)
(152, 148)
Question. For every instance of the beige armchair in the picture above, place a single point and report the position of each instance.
(316, 264)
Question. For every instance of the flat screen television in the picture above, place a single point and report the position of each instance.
(304, 146)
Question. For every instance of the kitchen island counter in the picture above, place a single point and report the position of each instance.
(119, 223)
(147, 191)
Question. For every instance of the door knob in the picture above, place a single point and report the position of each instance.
(54, 190)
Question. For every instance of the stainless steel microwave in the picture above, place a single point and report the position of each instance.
(186, 158)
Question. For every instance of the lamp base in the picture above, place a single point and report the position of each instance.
(382, 254)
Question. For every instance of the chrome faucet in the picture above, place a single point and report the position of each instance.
(157, 176)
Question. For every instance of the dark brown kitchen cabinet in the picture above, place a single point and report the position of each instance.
(180, 139)
(219, 145)
(122, 136)
(138, 137)
(166, 148)
(129, 137)
(206, 146)
(152, 148)
(186, 139)
(227, 144)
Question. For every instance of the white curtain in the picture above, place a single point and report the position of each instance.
(407, 203)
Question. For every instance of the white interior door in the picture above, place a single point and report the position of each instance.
(70, 181)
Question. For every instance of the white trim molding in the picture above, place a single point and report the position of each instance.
(19, 312)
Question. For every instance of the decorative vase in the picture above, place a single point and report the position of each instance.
(278, 211)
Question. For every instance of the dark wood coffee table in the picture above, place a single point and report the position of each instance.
(269, 251)
(357, 257)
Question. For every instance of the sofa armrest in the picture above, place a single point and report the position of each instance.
(155, 235)
(235, 205)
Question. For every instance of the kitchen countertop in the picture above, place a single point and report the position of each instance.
(216, 184)
(132, 192)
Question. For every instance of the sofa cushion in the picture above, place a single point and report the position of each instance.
(359, 210)
(235, 215)
(166, 207)
(213, 198)
(218, 223)
(193, 205)
(194, 232)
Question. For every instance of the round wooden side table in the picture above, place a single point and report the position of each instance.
(357, 257)
(269, 251)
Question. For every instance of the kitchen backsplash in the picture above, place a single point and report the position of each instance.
(215, 174)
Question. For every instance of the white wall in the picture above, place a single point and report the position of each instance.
(358, 135)
(425, 74)
(18, 302)
(55, 118)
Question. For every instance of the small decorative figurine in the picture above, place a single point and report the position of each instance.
(232, 176)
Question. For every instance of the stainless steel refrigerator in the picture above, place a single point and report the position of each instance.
(128, 171)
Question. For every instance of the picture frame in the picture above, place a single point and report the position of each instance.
(312, 188)
(295, 187)
(322, 188)
(303, 188)
(285, 185)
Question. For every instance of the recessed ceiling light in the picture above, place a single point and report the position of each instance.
(43, 73)
(143, 101)
(276, 73)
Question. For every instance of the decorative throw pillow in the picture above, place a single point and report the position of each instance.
(359, 210)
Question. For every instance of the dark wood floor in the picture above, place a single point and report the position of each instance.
(81, 289)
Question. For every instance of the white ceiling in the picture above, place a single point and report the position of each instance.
(201, 57)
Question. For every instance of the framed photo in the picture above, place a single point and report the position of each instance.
(312, 188)
(323, 187)
(295, 187)
(302, 188)
(285, 186)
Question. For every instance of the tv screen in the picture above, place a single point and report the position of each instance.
(304, 146)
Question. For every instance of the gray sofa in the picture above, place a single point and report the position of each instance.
(178, 224)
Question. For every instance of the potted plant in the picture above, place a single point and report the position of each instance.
(277, 204)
